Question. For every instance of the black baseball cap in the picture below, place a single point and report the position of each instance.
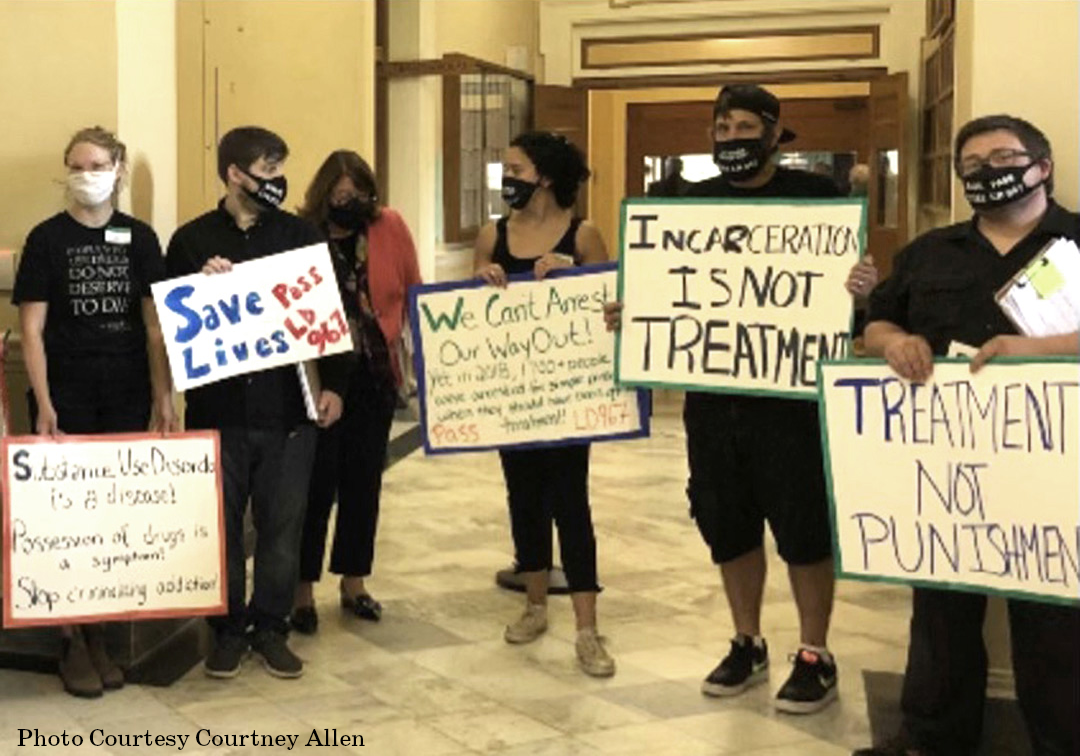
(752, 98)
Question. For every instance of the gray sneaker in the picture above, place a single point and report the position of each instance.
(278, 659)
(591, 654)
(529, 626)
(227, 655)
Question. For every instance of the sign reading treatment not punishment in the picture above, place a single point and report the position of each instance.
(274, 311)
(735, 296)
(969, 481)
(112, 527)
(527, 365)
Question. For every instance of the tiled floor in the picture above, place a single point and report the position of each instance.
(435, 677)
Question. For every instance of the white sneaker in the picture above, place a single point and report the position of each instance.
(591, 654)
(529, 626)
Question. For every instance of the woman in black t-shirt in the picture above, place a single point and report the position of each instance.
(92, 343)
(541, 176)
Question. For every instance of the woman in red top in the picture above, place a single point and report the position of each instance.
(375, 262)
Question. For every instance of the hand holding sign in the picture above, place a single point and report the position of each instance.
(274, 311)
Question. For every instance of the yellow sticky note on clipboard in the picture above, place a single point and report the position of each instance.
(1045, 278)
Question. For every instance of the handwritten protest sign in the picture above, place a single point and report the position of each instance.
(969, 481)
(528, 365)
(112, 527)
(277, 310)
(735, 295)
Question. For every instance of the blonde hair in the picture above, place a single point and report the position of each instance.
(100, 137)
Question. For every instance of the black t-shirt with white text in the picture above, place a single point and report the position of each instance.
(94, 281)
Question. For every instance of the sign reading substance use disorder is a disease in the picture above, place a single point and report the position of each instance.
(740, 296)
(970, 481)
(531, 364)
(265, 313)
(117, 526)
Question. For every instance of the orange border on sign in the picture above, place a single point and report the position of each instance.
(202, 611)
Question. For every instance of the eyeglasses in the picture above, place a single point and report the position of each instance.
(1000, 158)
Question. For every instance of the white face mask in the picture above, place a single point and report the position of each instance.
(91, 188)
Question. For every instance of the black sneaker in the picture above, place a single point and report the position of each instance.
(811, 687)
(226, 656)
(276, 656)
(745, 666)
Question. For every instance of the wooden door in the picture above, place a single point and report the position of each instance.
(887, 216)
(565, 110)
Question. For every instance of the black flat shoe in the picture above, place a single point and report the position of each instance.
(304, 620)
(363, 606)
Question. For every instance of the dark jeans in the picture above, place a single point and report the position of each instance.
(349, 463)
(272, 468)
(545, 484)
(99, 394)
(945, 681)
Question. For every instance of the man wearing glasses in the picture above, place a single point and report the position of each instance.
(942, 292)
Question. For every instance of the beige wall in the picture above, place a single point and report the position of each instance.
(488, 29)
(1021, 57)
(302, 68)
(58, 73)
(146, 100)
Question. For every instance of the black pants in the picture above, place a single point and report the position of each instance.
(945, 681)
(349, 463)
(99, 394)
(272, 468)
(546, 484)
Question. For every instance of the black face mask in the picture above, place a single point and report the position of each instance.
(354, 215)
(989, 188)
(517, 193)
(270, 192)
(740, 159)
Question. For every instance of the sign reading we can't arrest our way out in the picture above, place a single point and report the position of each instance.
(736, 295)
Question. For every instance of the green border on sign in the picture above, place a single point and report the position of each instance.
(826, 457)
(808, 394)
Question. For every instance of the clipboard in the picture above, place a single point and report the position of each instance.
(310, 387)
(1043, 299)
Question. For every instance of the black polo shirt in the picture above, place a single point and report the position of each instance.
(943, 283)
(270, 398)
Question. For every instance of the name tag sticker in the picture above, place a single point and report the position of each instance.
(118, 236)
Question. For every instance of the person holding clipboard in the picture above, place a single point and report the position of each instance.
(941, 299)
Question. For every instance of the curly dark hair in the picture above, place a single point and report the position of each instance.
(557, 159)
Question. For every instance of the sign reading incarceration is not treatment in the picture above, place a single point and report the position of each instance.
(968, 481)
(741, 296)
(121, 526)
(265, 313)
(531, 364)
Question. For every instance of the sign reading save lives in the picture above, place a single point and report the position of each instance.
(274, 311)
(970, 481)
(531, 364)
(735, 295)
(112, 527)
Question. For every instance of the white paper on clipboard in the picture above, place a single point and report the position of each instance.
(1043, 299)
(310, 387)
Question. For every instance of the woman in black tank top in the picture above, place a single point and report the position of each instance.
(541, 175)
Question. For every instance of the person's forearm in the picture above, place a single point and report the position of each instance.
(878, 335)
(33, 346)
(160, 379)
(1064, 344)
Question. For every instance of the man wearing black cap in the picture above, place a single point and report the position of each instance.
(757, 459)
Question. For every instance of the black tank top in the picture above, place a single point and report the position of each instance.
(512, 265)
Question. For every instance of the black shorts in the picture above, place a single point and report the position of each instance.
(754, 459)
